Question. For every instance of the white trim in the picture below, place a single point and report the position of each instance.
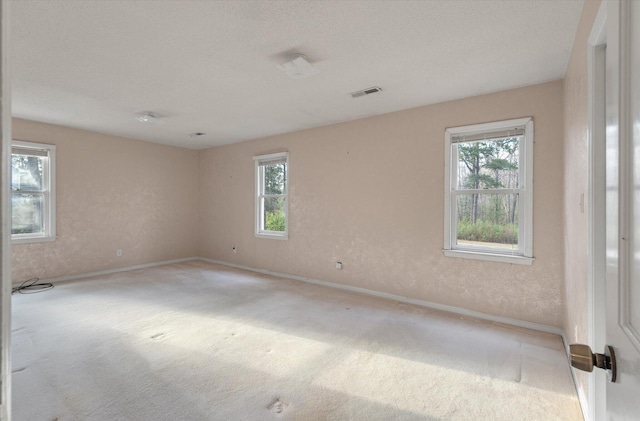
(436, 306)
(49, 194)
(525, 204)
(111, 271)
(5, 213)
(443, 307)
(28, 240)
(27, 144)
(258, 231)
(493, 257)
(428, 304)
(489, 127)
(265, 234)
(448, 168)
(271, 156)
(626, 128)
(485, 191)
(594, 402)
(527, 212)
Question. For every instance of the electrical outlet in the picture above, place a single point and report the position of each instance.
(233, 249)
(119, 253)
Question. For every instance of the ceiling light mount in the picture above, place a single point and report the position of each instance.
(150, 117)
(299, 67)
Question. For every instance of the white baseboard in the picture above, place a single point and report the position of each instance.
(110, 271)
(443, 307)
(452, 309)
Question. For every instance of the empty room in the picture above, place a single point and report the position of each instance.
(320, 210)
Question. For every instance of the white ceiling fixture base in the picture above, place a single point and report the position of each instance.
(150, 118)
(299, 67)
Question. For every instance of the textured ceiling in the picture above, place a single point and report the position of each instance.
(210, 66)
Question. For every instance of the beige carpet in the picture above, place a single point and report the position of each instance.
(196, 341)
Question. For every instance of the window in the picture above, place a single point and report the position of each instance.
(32, 192)
(271, 195)
(489, 192)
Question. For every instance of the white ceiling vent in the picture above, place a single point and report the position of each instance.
(368, 91)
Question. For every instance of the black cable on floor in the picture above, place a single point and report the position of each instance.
(31, 286)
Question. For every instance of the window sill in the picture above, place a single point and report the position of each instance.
(503, 258)
(272, 236)
(32, 240)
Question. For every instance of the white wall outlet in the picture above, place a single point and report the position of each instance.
(119, 253)
(338, 265)
(233, 249)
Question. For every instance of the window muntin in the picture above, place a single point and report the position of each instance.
(488, 190)
(272, 195)
(32, 192)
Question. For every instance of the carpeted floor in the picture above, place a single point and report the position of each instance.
(196, 341)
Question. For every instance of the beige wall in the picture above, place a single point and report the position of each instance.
(575, 176)
(369, 193)
(112, 193)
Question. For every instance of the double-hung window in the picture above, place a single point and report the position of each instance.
(272, 178)
(489, 191)
(32, 192)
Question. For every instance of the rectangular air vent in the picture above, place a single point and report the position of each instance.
(368, 91)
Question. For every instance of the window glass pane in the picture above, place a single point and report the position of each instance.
(27, 172)
(488, 220)
(488, 164)
(27, 213)
(275, 178)
(274, 213)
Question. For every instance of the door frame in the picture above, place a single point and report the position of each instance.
(5, 216)
(596, 213)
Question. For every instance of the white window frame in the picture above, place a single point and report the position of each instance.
(260, 232)
(524, 254)
(49, 192)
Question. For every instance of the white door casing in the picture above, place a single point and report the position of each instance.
(5, 217)
(595, 408)
(623, 207)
